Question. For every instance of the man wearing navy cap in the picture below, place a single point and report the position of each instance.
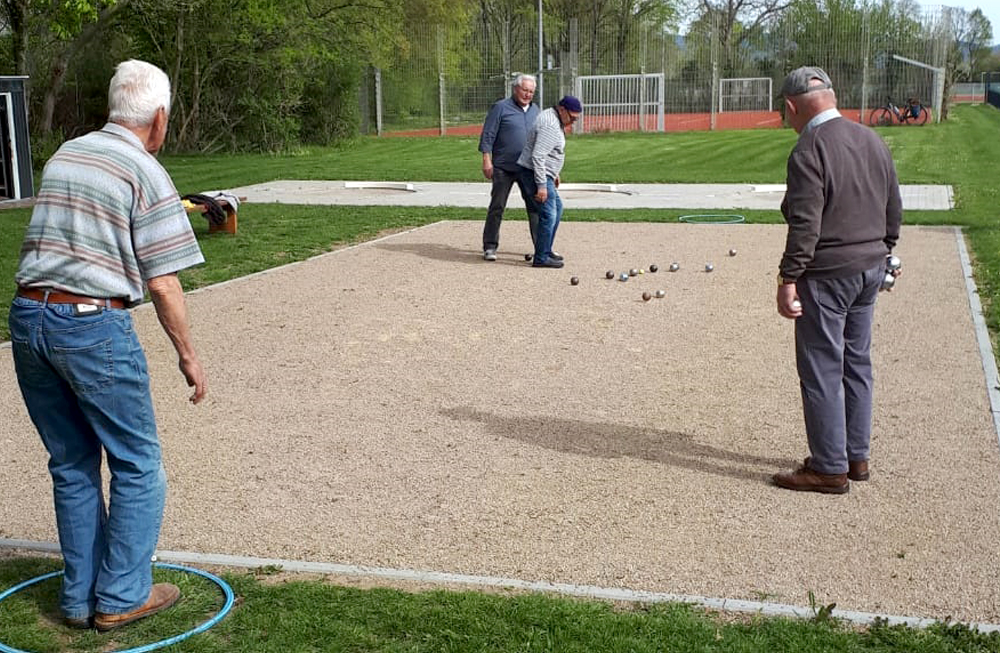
(542, 161)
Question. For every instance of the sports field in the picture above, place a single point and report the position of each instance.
(403, 404)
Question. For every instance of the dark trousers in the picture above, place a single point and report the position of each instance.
(503, 181)
(833, 356)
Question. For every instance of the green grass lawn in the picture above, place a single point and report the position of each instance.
(313, 616)
(283, 614)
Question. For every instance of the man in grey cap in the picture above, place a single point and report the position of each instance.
(844, 212)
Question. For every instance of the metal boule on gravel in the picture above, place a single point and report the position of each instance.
(653, 267)
(646, 296)
(574, 281)
(610, 274)
(709, 267)
(527, 257)
(634, 272)
(660, 294)
(674, 267)
(732, 252)
(623, 276)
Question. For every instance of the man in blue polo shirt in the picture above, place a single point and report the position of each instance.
(502, 140)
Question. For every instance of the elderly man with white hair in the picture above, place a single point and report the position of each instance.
(502, 139)
(107, 224)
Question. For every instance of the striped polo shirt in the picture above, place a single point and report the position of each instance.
(107, 218)
(545, 149)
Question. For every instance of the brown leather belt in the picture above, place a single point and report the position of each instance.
(55, 297)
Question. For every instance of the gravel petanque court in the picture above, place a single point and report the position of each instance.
(405, 404)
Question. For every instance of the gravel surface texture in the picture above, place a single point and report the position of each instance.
(405, 404)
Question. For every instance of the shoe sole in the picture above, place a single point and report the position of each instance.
(822, 489)
(103, 628)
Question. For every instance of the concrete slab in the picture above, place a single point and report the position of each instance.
(583, 196)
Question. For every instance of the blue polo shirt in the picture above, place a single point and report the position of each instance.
(505, 132)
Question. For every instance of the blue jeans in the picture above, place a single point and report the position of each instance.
(549, 214)
(86, 387)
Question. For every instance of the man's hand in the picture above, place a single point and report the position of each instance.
(788, 301)
(168, 299)
(556, 181)
(195, 377)
(487, 166)
(542, 194)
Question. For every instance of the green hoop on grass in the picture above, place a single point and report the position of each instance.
(713, 218)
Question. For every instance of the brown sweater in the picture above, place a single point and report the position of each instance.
(842, 205)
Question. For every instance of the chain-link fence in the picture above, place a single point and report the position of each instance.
(992, 83)
(634, 74)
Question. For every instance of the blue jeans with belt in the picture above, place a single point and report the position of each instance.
(85, 383)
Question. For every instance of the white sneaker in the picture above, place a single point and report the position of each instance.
(490, 255)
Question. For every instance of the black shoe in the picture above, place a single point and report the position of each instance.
(556, 255)
(547, 263)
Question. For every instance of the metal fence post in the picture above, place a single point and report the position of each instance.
(378, 101)
(441, 89)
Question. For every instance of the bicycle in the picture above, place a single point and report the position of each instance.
(914, 113)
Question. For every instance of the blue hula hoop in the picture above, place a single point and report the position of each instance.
(227, 606)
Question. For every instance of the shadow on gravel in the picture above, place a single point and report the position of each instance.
(617, 441)
(441, 252)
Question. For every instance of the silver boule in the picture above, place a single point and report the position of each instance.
(732, 252)
(623, 276)
(709, 267)
(660, 294)
(674, 267)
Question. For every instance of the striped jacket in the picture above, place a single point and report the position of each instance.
(545, 150)
(107, 218)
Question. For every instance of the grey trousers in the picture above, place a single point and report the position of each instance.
(832, 352)
(503, 181)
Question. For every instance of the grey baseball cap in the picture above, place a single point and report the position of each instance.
(798, 80)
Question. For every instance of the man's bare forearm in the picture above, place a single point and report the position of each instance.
(168, 298)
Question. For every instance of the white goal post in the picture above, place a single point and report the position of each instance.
(745, 94)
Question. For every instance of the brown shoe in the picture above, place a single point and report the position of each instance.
(161, 597)
(857, 470)
(804, 479)
(81, 623)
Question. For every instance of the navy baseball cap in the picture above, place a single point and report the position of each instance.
(571, 103)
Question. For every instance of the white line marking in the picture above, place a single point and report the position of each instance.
(584, 591)
(982, 333)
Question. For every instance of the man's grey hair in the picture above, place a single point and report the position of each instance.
(521, 77)
(136, 93)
